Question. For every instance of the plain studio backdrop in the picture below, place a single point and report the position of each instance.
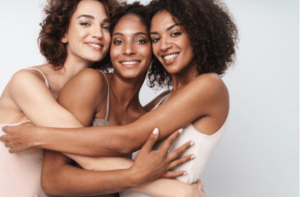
(259, 153)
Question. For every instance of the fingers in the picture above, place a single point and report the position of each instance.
(168, 143)
(173, 175)
(179, 151)
(151, 141)
(3, 138)
(180, 161)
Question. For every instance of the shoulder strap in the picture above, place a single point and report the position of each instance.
(107, 99)
(161, 101)
(45, 78)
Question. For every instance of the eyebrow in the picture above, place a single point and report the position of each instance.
(87, 16)
(168, 29)
(106, 20)
(136, 34)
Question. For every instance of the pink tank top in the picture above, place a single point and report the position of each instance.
(20, 173)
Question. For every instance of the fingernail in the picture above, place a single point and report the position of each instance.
(155, 131)
(193, 157)
(180, 130)
(185, 173)
(192, 143)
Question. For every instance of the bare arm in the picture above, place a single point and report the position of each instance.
(29, 92)
(60, 178)
(206, 96)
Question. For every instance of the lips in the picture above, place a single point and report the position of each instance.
(170, 58)
(95, 46)
(130, 64)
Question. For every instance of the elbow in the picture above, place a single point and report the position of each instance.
(50, 184)
(47, 186)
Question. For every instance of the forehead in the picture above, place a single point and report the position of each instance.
(162, 19)
(129, 23)
(90, 7)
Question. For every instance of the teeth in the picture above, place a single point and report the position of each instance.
(168, 57)
(95, 45)
(129, 62)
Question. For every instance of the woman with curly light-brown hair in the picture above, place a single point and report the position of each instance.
(75, 35)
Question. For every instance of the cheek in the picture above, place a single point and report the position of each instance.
(114, 51)
(146, 52)
(155, 50)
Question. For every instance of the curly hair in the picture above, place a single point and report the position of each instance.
(56, 24)
(136, 9)
(211, 30)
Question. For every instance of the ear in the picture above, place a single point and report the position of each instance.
(64, 39)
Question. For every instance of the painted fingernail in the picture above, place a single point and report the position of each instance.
(192, 143)
(180, 130)
(193, 157)
(155, 131)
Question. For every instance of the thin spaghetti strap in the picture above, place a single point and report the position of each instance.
(107, 99)
(161, 101)
(45, 78)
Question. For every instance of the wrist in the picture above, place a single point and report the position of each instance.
(135, 177)
(37, 137)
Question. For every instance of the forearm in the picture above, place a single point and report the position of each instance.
(60, 178)
(93, 141)
(165, 188)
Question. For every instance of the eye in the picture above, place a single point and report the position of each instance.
(106, 27)
(141, 41)
(117, 42)
(155, 40)
(175, 34)
(85, 24)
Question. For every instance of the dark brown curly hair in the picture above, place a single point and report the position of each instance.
(56, 24)
(211, 30)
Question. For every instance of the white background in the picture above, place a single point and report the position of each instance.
(259, 154)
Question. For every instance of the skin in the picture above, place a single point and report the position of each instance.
(203, 99)
(130, 41)
(21, 102)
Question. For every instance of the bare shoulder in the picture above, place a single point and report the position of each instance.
(156, 100)
(210, 84)
(26, 78)
(90, 78)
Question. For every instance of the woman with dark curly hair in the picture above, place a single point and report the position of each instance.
(75, 35)
(193, 43)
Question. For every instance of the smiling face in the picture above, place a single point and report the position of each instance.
(170, 43)
(88, 36)
(130, 51)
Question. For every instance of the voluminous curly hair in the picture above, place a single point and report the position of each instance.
(136, 9)
(211, 31)
(56, 24)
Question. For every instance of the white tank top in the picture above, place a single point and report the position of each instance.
(202, 149)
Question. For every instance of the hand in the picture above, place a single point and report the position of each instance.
(153, 164)
(17, 138)
(197, 189)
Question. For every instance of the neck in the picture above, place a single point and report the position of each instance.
(126, 91)
(184, 77)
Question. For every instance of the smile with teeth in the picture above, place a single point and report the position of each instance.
(169, 57)
(95, 46)
(130, 63)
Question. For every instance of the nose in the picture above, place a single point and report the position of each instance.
(97, 32)
(129, 48)
(165, 44)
